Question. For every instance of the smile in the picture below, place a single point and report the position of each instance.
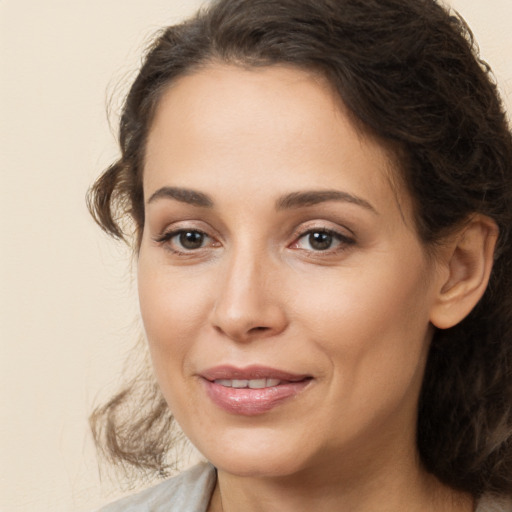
(253, 390)
(252, 383)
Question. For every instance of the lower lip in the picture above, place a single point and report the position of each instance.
(251, 402)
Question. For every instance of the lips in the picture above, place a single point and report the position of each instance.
(252, 390)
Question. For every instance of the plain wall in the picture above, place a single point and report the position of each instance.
(68, 311)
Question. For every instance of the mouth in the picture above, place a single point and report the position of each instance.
(251, 384)
(253, 390)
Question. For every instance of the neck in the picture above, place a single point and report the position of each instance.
(401, 488)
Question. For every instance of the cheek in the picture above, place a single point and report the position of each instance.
(372, 323)
(360, 300)
(174, 310)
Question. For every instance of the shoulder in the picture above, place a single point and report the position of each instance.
(189, 491)
(493, 504)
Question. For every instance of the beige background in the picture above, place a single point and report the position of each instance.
(68, 313)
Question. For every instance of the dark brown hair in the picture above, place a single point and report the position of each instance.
(409, 72)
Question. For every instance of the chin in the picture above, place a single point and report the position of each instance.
(255, 455)
(262, 466)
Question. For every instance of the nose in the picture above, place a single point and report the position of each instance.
(249, 303)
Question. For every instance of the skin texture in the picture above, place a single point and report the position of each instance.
(356, 317)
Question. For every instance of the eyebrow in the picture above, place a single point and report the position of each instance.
(184, 195)
(313, 197)
(288, 201)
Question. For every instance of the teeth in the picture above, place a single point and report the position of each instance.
(224, 382)
(246, 383)
(257, 383)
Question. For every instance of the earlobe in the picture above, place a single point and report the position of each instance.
(467, 263)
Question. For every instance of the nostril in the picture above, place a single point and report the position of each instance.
(259, 329)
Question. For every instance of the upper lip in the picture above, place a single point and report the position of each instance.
(250, 372)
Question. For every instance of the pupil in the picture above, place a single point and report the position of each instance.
(320, 241)
(191, 239)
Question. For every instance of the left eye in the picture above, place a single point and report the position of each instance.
(320, 240)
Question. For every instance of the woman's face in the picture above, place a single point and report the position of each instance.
(284, 292)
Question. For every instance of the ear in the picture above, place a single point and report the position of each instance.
(464, 265)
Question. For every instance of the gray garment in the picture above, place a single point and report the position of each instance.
(191, 492)
(488, 504)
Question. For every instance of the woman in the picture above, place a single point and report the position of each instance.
(320, 194)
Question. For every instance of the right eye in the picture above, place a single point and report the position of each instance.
(186, 240)
(189, 240)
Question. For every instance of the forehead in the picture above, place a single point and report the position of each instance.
(277, 125)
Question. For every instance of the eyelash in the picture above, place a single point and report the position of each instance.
(343, 241)
(166, 238)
